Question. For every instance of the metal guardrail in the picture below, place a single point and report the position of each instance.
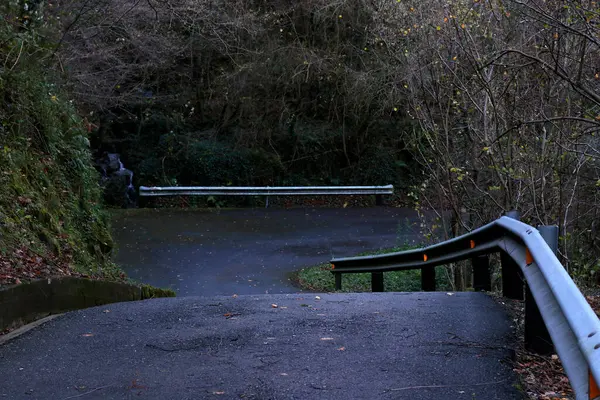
(155, 191)
(551, 295)
(146, 191)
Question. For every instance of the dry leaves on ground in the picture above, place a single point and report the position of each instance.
(542, 377)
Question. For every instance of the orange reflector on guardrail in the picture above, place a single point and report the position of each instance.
(424, 257)
(594, 390)
(472, 244)
(528, 257)
(332, 266)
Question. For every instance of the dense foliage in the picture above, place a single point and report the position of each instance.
(50, 219)
(236, 92)
(480, 106)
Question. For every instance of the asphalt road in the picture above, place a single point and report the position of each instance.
(341, 346)
(248, 251)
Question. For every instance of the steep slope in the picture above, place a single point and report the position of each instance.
(51, 221)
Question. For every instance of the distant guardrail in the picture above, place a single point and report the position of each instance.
(557, 315)
(263, 191)
(155, 191)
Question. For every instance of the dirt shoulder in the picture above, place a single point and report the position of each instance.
(541, 377)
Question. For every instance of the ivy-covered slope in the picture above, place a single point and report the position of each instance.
(51, 222)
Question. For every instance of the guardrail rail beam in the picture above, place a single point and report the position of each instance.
(158, 191)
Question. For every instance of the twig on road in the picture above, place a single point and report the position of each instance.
(86, 393)
(445, 386)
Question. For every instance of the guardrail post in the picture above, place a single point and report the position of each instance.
(482, 280)
(378, 200)
(338, 280)
(377, 281)
(428, 279)
(512, 276)
(537, 338)
(142, 201)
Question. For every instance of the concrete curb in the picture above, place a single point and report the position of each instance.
(22, 304)
(24, 329)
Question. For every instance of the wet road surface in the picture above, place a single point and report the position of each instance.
(416, 346)
(248, 251)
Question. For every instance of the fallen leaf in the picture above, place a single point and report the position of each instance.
(342, 349)
(283, 374)
(106, 311)
(87, 334)
(450, 294)
(234, 296)
(554, 357)
(317, 297)
(136, 385)
(274, 305)
(326, 338)
(218, 392)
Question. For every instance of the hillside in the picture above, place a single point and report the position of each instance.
(477, 107)
(51, 218)
(471, 107)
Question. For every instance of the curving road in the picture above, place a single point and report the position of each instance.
(248, 251)
(260, 346)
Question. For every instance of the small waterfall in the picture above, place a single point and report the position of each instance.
(130, 186)
(114, 176)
